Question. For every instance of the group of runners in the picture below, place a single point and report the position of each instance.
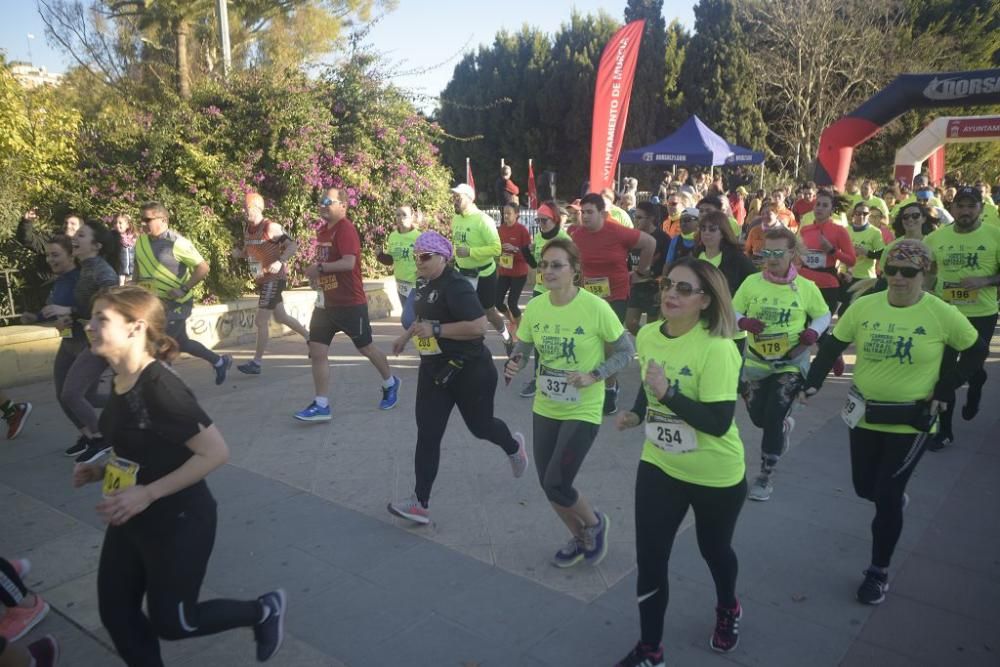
(725, 319)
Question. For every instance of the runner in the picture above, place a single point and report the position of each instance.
(755, 234)
(617, 213)
(456, 368)
(267, 250)
(604, 249)
(20, 611)
(719, 247)
(906, 343)
(878, 220)
(692, 456)
(570, 327)
(966, 265)
(15, 414)
(169, 266)
(868, 248)
(400, 252)
(343, 307)
(476, 244)
(785, 314)
(686, 242)
(161, 516)
(514, 240)
(643, 299)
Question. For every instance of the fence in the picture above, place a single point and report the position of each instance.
(526, 216)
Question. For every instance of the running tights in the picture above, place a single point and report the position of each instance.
(661, 502)
(769, 401)
(509, 288)
(559, 449)
(177, 329)
(985, 326)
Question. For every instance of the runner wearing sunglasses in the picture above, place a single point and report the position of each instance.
(868, 248)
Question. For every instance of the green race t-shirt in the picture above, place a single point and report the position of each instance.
(536, 249)
(869, 238)
(569, 338)
(714, 261)
(476, 231)
(784, 310)
(707, 369)
(899, 349)
(400, 246)
(957, 256)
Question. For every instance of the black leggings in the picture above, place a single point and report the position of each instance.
(560, 447)
(472, 390)
(510, 287)
(163, 558)
(881, 465)
(12, 589)
(661, 502)
(177, 329)
(986, 326)
(769, 401)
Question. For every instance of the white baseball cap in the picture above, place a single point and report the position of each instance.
(465, 189)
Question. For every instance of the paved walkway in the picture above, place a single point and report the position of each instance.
(303, 506)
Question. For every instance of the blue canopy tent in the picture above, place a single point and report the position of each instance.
(694, 143)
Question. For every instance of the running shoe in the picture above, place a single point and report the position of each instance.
(528, 390)
(519, 459)
(595, 539)
(96, 448)
(223, 368)
(761, 488)
(727, 629)
(411, 510)
(969, 410)
(611, 400)
(45, 651)
(390, 396)
(839, 365)
(249, 368)
(786, 432)
(643, 655)
(78, 448)
(940, 441)
(16, 422)
(314, 413)
(874, 587)
(18, 621)
(270, 632)
(569, 555)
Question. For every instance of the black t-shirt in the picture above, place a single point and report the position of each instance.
(659, 255)
(150, 425)
(449, 298)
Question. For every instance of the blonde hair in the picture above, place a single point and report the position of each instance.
(136, 303)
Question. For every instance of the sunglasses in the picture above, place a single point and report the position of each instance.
(326, 201)
(906, 271)
(425, 256)
(683, 288)
(912, 216)
(775, 252)
(555, 266)
(688, 218)
(862, 213)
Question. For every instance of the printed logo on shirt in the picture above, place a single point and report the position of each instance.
(579, 331)
(559, 347)
(685, 371)
(432, 297)
(961, 260)
(919, 331)
(883, 347)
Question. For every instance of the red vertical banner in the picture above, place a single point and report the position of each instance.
(468, 175)
(532, 189)
(935, 166)
(611, 98)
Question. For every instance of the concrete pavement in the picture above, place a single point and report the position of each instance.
(303, 506)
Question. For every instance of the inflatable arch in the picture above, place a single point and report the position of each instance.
(930, 142)
(906, 92)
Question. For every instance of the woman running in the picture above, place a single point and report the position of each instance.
(161, 516)
(570, 327)
(514, 239)
(907, 343)
(456, 368)
(692, 456)
(398, 252)
(784, 314)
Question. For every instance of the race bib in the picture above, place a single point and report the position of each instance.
(771, 346)
(404, 287)
(507, 261)
(854, 408)
(66, 332)
(670, 433)
(328, 282)
(428, 346)
(119, 474)
(256, 270)
(815, 259)
(553, 385)
(598, 286)
(957, 295)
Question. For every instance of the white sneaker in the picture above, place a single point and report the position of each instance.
(761, 488)
(519, 459)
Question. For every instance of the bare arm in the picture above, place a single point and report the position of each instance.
(345, 263)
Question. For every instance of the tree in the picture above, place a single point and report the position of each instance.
(646, 106)
(675, 47)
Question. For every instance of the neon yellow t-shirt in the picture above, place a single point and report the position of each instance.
(869, 238)
(874, 202)
(957, 256)
(810, 217)
(708, 370)
(621, 216)
(899, 349)
(714, 261)
(783, 309)
(990, 216)
(536, 249)
(400, 246)
(476, 231)
(569, 338)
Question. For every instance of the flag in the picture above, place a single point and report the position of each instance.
(532, 190)
(468, 175)
(611, 98)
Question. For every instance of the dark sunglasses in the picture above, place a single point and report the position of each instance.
(912, 216)
(326, 201)
(688, 218)
(774, 252)
(425, 256)
(906, 271)
(683, 288)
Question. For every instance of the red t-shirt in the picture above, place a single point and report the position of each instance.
(512, 263)
(340, 288)
(824, 265)
(604, 256)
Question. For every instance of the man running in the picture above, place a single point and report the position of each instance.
(342, 307)
(266, 248)
(169, 266)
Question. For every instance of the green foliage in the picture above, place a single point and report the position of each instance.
(645, 121)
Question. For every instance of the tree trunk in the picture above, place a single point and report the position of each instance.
(181, 31)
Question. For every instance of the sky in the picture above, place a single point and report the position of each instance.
(417, 35)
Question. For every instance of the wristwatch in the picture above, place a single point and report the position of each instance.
(436, 329)
(596, 374)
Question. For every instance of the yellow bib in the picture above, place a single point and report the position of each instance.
(598, 286)
(119, 474)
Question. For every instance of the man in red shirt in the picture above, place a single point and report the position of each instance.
(604, 248)
(341, 306)
(806, 200)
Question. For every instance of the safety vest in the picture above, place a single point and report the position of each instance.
(156, 277)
